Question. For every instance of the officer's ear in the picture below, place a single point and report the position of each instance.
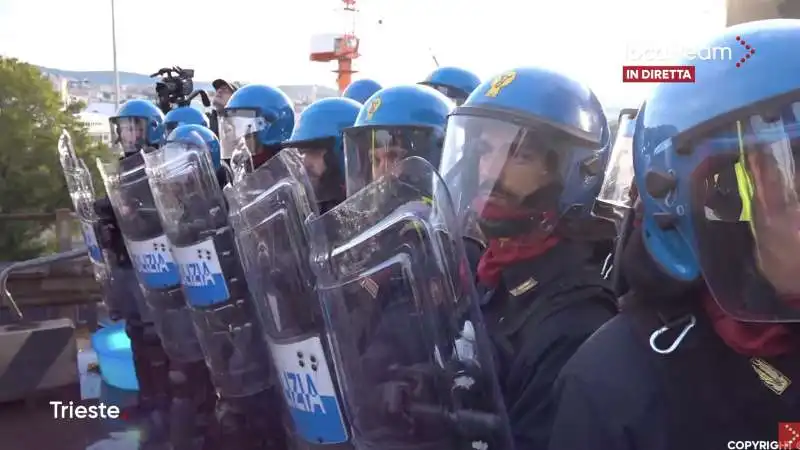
(665, 243)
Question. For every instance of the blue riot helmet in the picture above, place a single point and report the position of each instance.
(717, 174)
(197, 136)
(257, 118)
(395, 123)
(184, 115)
(526, 153)
(454, 82)
(361, 90)
(318, 137)
(138, 124)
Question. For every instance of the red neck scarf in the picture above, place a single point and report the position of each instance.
(501, 253)
(750, 339)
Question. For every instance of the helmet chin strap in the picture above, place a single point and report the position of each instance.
(542, 206)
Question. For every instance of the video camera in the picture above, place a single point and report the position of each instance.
(174, 87)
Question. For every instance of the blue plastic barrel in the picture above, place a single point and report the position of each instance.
(114, 356)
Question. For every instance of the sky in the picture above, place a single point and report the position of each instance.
(268, 41)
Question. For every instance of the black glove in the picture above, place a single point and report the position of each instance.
(109, 235)
(222, 177)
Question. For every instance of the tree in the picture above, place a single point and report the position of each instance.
(75, 107)
(32, 118)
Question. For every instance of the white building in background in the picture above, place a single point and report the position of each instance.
(97, 125)
(103, 108)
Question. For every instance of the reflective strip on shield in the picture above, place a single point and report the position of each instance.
(153, 262)
(203, 280)
(309, 391)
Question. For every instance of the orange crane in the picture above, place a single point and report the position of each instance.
(342, 48)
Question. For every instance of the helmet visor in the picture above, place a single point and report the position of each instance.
(240, 128)
(502, 172)
(182, 179)
(129, 134)
(454, 94)
(747, 215)
(614, 198)
(371, 152)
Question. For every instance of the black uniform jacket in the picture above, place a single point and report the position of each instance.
(538, 316)
(617, 393)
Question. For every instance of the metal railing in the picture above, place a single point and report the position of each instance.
(64, 220)
(6, 296)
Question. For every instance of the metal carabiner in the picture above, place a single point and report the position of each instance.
(688, 326)
(608, 266)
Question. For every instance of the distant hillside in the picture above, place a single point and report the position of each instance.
(106, 77)
(296, 91)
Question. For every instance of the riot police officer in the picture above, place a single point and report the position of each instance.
(454, 82)
(254, 123)
(704, 352)
(196, 220)
(524, 159)
(271, 205)
(410, 352)
(361, 90)
(135, 209)
(395, 123)
(184, 115)
(318, 138)
(138, 124)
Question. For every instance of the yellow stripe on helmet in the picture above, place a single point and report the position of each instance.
(744, 182)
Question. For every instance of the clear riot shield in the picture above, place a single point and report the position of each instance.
(195, 217)
(81, 191)
(270, 207)
(410, 349)
(151, 255)
(614, 199)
